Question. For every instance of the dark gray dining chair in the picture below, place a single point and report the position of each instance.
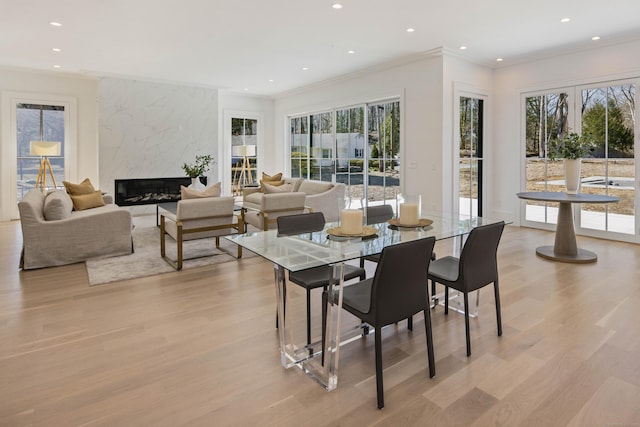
(376, 215)
(476, 268)
(317, 277)
(397, 291)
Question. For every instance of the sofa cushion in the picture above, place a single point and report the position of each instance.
(295, 182)
(271, 179)
(85, 187)
(282, 188)
(57, 205)
(191, 193)
(310, 187)
(276, 177)
(87, 201)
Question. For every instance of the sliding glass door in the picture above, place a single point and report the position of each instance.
(358, 146)
(546, 116)
(608, 118)
(604, 112)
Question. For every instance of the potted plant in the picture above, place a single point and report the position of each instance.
(197, 169)
(571, 147)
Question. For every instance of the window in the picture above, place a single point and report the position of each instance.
(38, 122)
(605, 113)
(546, 115)
(470, 156)
(244, 160)
(608, 118)
(358, 146)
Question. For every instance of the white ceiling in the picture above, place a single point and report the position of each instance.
(240, 44)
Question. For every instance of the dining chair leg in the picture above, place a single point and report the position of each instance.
(498, 313)
(446, 300)
(308, 316)
(429, 337)
(410, 323)
(466, 322)
(433, 293)
(325, 301)
(379, 386)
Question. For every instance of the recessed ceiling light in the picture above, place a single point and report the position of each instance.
(55, 24)
(462, 48)
(595, 38)
(336, 6)
(565, 20)
(271, 80)
(351, 51)
(305, 68)
(499, 59)
(410, 30)
(56, 49)
(56, 66)
(246, 89)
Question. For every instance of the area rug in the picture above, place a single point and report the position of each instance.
(146, 259)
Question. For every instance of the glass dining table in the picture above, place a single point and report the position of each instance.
(320, 359)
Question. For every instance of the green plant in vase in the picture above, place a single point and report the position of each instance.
(197, 169)
(571, 147)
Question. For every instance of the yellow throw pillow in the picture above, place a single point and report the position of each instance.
(190, 193)
(85, 187)
(270, 179)
(276, 177)
(87, 201)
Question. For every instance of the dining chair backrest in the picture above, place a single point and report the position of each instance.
(300, 223)
(379, 213)
(478, 261)
(399, 288)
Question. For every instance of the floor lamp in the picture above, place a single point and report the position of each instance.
(244, 151)
(44, 149)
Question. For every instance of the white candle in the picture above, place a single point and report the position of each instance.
(409, 214)
(351, 221)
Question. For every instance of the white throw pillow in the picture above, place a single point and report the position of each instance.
(57, 205)
(190, 193)
(271, 189)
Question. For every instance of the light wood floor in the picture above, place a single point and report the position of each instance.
(199, 348)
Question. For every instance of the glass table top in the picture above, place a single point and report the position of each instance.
(300, 252)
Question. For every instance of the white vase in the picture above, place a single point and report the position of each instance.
(572, 175)
(196, 184)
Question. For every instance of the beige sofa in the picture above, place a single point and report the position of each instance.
(54, 234)
(305, 195)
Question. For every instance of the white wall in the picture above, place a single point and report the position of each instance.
(602, 64)
(85, 91)
(149, 129)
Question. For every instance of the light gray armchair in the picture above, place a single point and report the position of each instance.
(265, 209)
(198, 219)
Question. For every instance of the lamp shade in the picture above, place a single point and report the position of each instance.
(44, 148)
(244, 150)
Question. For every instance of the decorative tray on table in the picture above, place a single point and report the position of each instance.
(424, 222)
(366, 232)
